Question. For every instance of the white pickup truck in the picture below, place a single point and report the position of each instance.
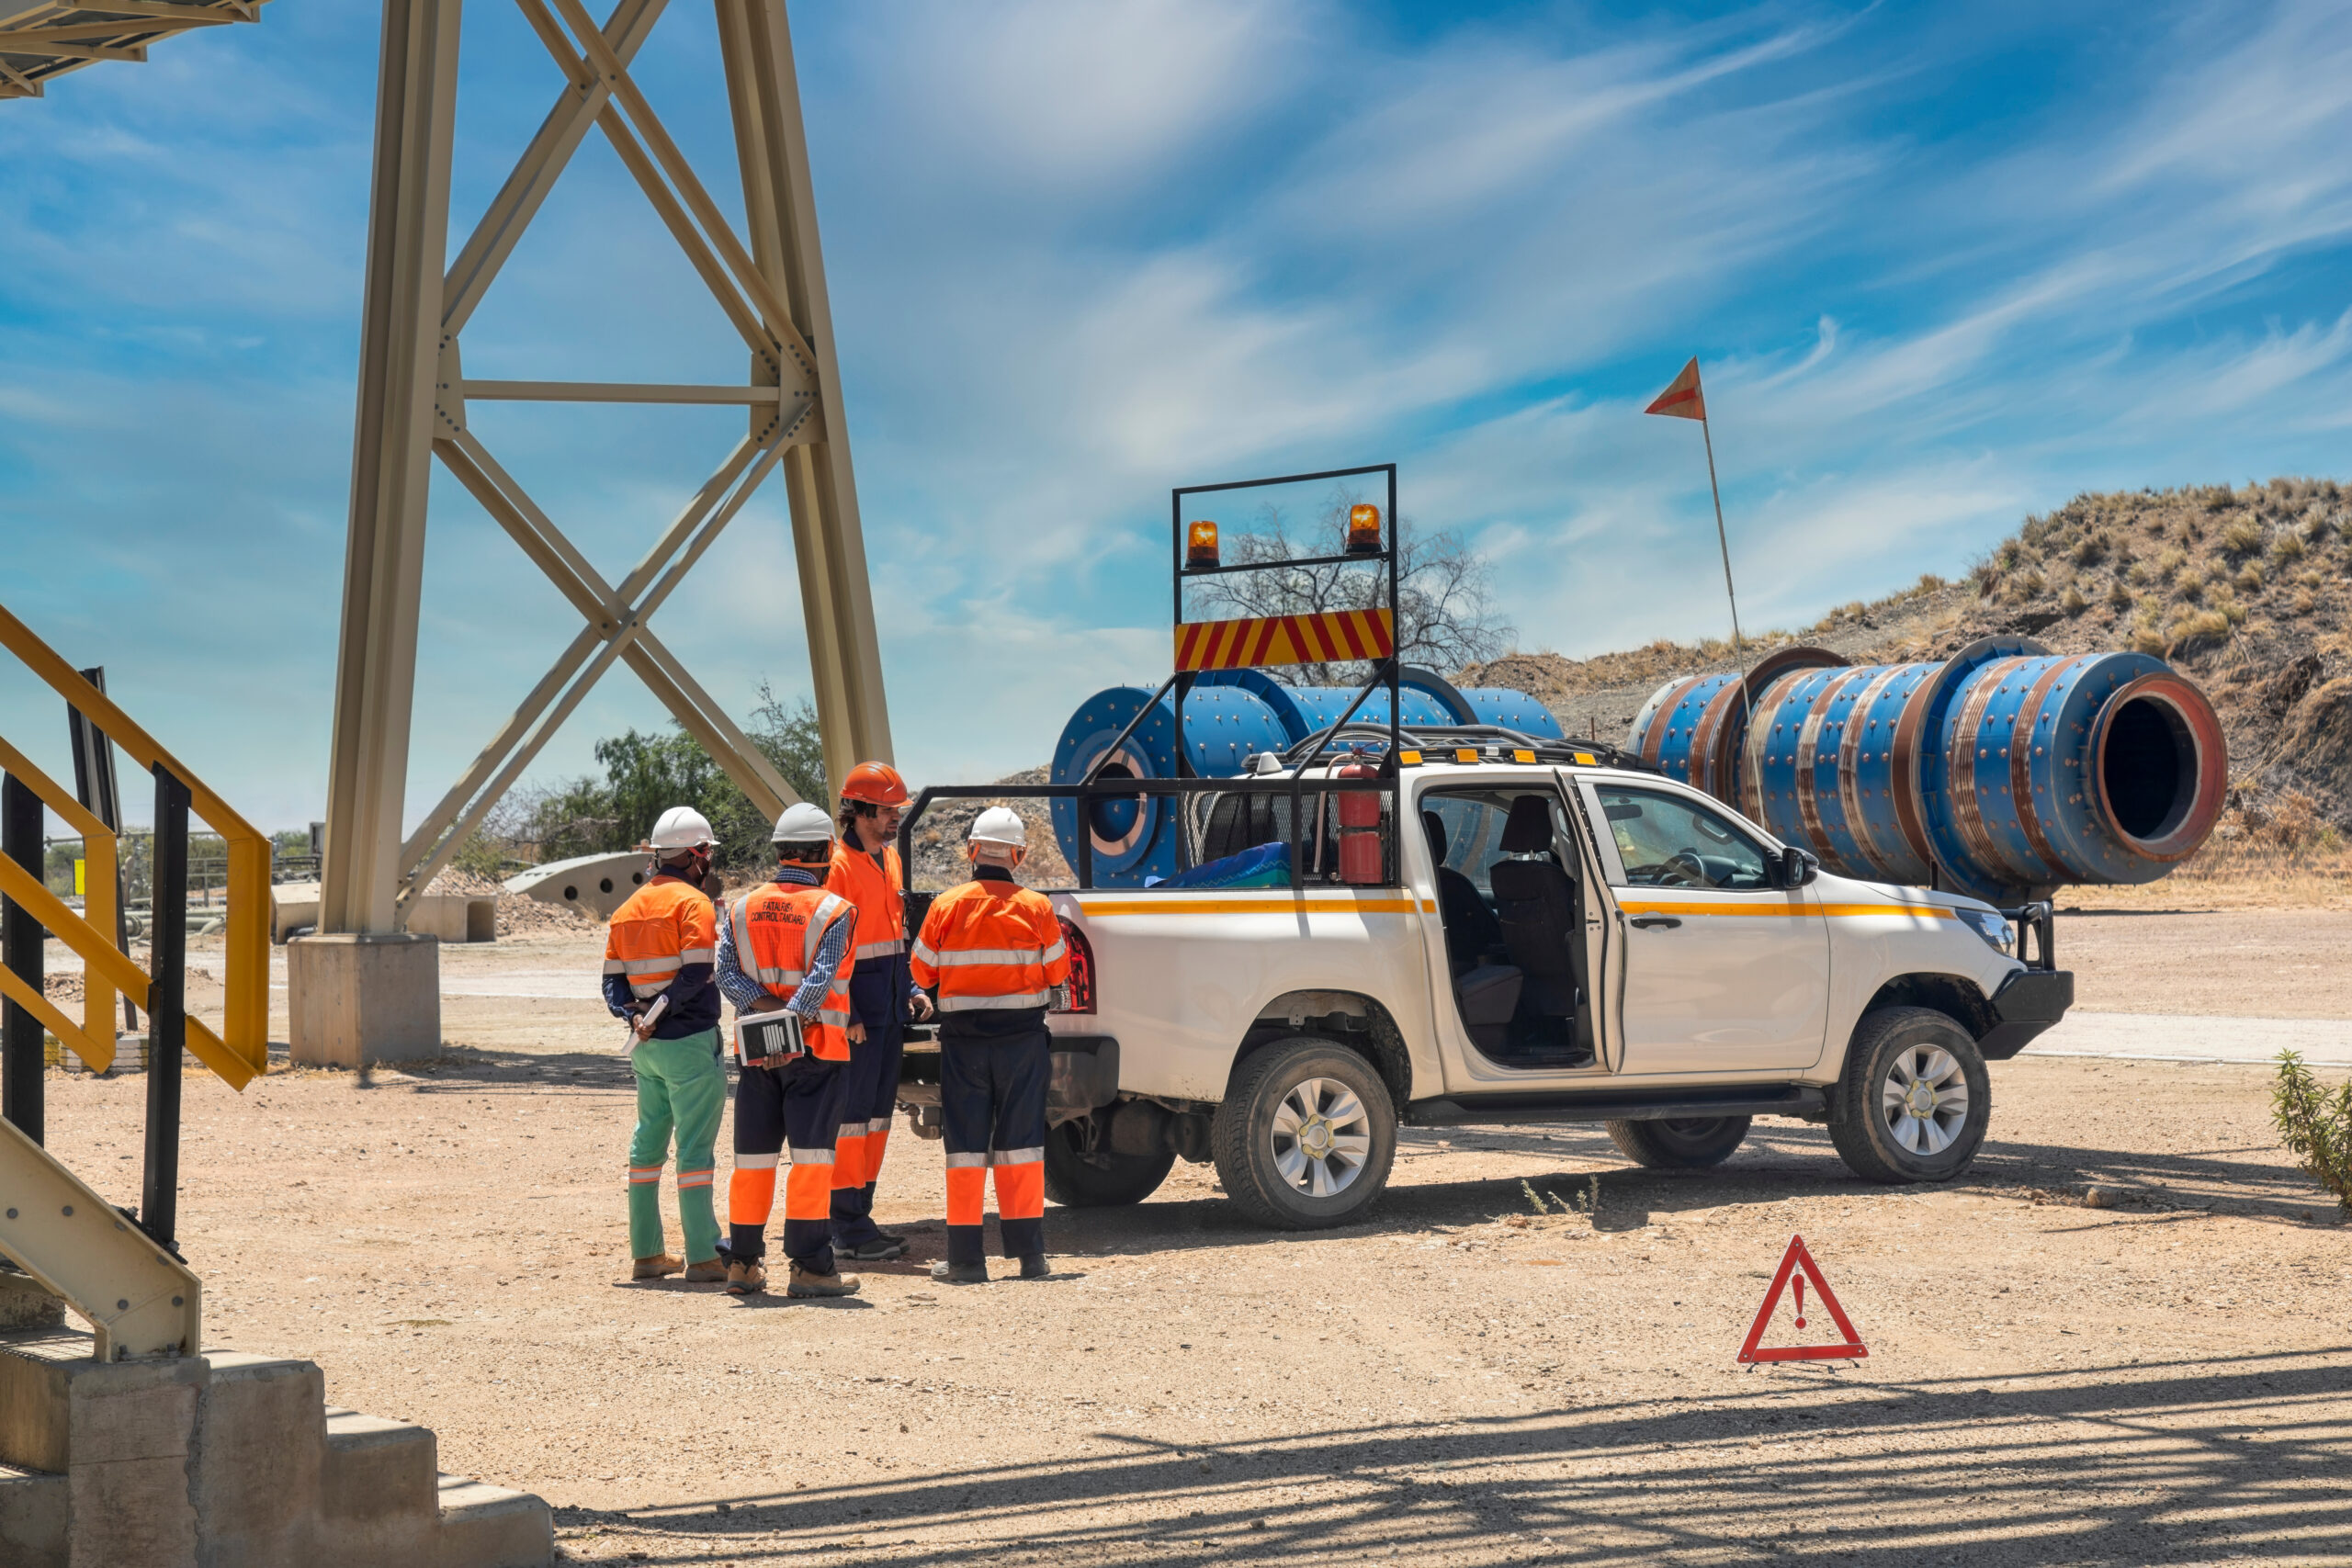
(1550, 942)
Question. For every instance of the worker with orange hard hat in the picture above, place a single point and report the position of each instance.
(866, 871)
(996, 952)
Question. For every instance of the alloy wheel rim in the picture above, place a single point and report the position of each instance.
(1924, 1100)
(1321, 1137)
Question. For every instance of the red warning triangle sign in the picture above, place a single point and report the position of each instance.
(1797, 1258)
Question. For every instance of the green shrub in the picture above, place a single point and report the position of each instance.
(2316, 1126)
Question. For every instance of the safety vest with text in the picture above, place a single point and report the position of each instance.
(778, 928)
(990, 944)
(879, 893)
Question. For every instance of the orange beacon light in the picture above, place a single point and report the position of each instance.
(1363, 530)
(1200, 547)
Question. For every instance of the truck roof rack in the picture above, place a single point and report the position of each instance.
(1489, 742)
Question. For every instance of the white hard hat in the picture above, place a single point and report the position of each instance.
(803, 824)
(1000, 825)
(683, 828)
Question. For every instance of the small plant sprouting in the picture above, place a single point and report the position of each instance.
(1586, 1203)
(2316, 1126)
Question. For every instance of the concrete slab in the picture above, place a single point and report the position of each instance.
(2171, 1037)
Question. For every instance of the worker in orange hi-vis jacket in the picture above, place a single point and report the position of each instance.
(658, 958)
(993, 950)
(866, 871)
(786, 946)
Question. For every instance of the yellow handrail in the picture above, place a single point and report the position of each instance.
(93, 1041)
(240, 1052)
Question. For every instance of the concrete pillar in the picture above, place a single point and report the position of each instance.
(400, 357)
(359, 997)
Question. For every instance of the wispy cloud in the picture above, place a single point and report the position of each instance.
(1939, 275)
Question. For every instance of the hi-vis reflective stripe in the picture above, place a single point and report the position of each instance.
(993, 955)
(1275, 902)
(984, 1004)
(866, 949)
(1284, 639)
(966, 1162)
(1016, 1157)
(755, 1162)
(644, 1173)
(813, 1156)
(694, 1179)
(1761, 909)
(926, 953)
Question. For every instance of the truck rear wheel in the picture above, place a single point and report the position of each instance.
(1680, 1143)
(1307, 1135)
(1077, 1180)
(1915, 1099)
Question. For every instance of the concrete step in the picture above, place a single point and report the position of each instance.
(228, 1460)
(34, 1514)
(488, 1527)
(379, 1491)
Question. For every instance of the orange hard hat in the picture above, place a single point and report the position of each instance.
(876, 784)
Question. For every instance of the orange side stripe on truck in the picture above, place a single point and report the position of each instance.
(1284, 905)
(1785, 911)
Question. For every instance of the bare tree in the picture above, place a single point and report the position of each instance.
(1445, 614)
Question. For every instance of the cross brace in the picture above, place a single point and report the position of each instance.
(769, 285)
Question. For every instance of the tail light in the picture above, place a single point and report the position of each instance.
(1081, 970)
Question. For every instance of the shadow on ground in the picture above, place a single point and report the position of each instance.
(2121, 1465)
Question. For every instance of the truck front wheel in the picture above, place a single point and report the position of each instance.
(1307, 1135)
(1684, 1142)
(1915, 1099)
(1103, 1179)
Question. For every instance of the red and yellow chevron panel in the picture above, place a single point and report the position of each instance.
(1329, 638)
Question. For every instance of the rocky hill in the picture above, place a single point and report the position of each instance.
(2249, 590)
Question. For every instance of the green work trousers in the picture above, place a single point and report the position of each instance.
(681, 1087)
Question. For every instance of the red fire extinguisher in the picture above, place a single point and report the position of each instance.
(1359, 811)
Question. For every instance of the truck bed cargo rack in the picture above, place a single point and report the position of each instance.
(1492, 742)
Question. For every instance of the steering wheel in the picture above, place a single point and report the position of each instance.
(1686, 870)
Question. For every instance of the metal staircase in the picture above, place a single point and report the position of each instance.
(130, 1444)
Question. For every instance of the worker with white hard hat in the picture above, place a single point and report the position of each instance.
(994, 952)
(866, 871)
(786, 950)
(658, 958)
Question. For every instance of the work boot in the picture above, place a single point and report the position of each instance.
(655, 1267)
(960, 1273)
(1035, 1267)
(804, 1284)
(746, 1278)
(709, 1271)
(881, 1249)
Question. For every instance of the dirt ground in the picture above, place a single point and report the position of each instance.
(2120, 1339)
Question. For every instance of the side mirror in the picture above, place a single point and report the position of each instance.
(1798, 866)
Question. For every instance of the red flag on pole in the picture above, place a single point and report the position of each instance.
(1683, 400)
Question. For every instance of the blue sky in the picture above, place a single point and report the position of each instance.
(1943, 267)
